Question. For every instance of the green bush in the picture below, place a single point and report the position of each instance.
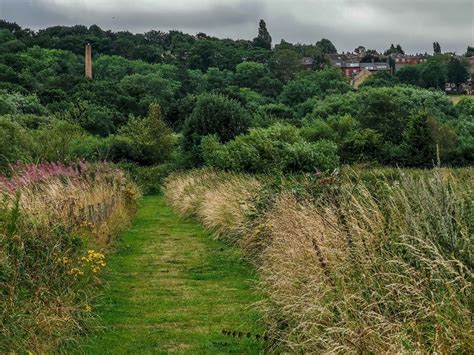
(277, 148)
(147, 141)
(309, 157)
(148, 178)
(213, 114)
(15, 143)
(15, 103)
(319, 83)
(53, 140)
(418, 142)
(316, 130)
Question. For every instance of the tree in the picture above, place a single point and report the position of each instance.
(385, 110)
(203, 55)
(150, 138)
(436, 48)
(285, 63)
(418, 142)
(456, 71)
(326, 46)
(360, 50)
(469, 52)
(248, 74)
(394, 50)
(320, 83)
(263, 40)
(95, 119)
(380, 79)
(433, 72)
(371, 55)
(213, 114)
(409, 74)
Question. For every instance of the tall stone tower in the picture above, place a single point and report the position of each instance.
(88, 62)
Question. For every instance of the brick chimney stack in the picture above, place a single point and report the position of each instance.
(88, 62)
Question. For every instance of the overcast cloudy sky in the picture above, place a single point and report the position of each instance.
(415, 24)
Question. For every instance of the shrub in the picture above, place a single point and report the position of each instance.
(149, 140)
(316, 130)
(16, 103)
(364, 145)
(277, 148)
(319, 83)
(148, 178)
(418, 142)
(309, 157)
(271, 113)
(213, 114)
(15, 143)
(53, 140)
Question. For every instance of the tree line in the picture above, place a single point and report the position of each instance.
(197, 100)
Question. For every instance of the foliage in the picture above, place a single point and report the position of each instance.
(263, 40)
(214, 114)
(56, 221)
(321, 83)
(277, 148)
(42, 88)
(380, 79)
(409, 74)
(418, 141)
(394, 50)
(151, 140)
(15, 143)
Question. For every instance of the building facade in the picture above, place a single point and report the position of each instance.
(351, 65)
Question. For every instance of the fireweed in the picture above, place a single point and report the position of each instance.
(56, 222)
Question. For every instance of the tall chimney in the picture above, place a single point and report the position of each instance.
(88, 62)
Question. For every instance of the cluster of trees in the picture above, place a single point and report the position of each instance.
(435, 72)
(194, 100)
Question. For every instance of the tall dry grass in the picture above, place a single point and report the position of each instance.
(374, 263)
(221, 201)
(54, 232)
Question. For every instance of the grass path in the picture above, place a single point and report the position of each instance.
(173, 289)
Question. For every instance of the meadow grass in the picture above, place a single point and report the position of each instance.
(368, 261)
(172, 288)
(56, 224)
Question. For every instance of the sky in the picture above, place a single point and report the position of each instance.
(375, 24)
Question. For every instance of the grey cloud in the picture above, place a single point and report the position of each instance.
(415, 24)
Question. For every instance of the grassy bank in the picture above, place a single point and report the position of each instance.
(364, 261)
(56, 224)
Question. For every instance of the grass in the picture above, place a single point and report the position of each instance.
(56, 223)
(173, 288)
(371, 261)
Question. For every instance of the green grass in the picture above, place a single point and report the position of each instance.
(172, 288)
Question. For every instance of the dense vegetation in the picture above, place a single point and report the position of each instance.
(362, 262)
(237, 105)
(389, 252)
(56, 224)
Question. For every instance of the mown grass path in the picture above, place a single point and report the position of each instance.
(173, 289)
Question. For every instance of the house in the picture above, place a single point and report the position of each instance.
(349, 63)
(375, 66)
(351, 66)
(308, 62)
(402, 60)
